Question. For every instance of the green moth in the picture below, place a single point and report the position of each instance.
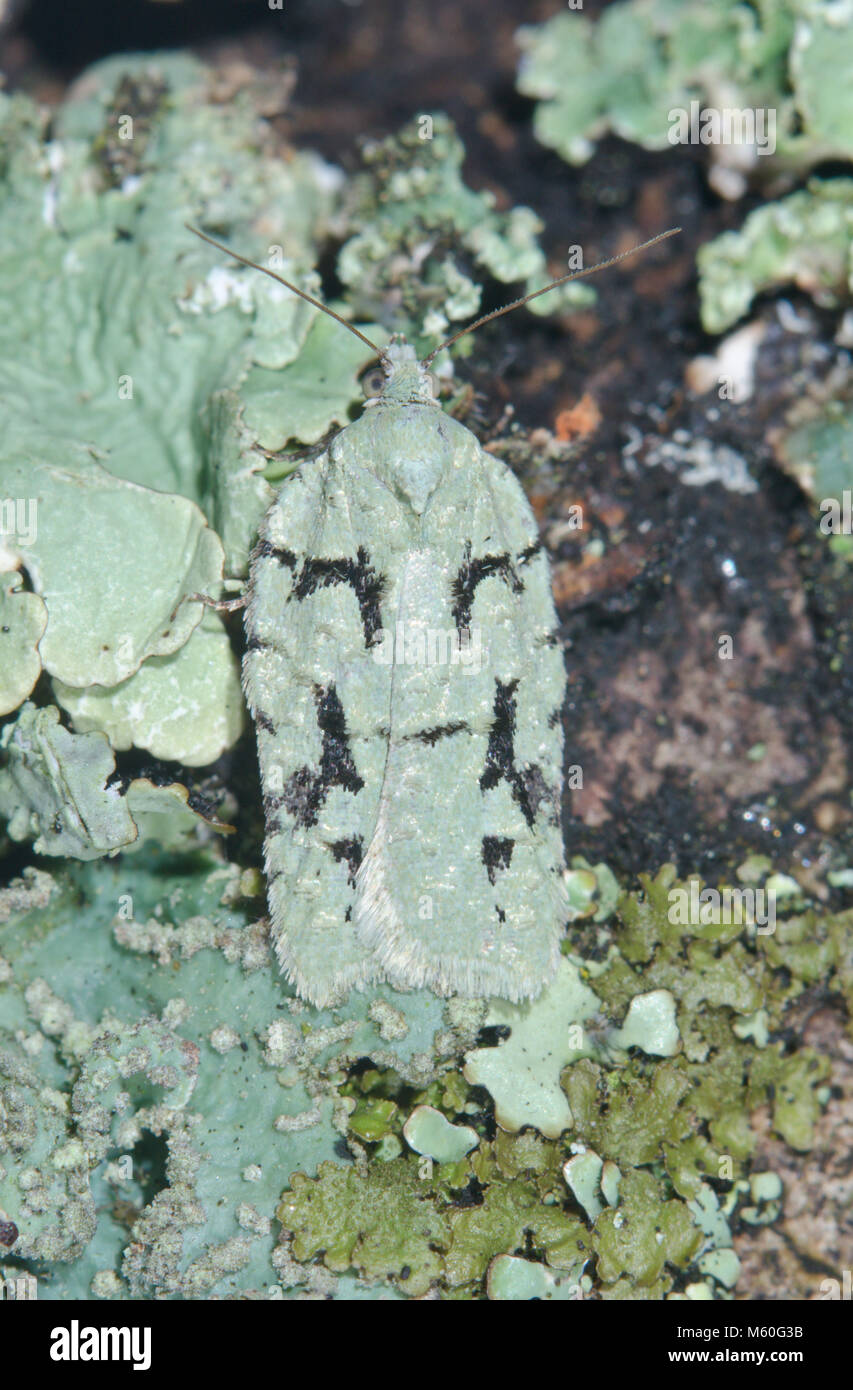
(406, 683)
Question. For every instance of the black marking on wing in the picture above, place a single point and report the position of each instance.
(473, 572)
(496, 854)
(528, 785)
(351, 851)
(264, 722)
(257, 644)
(537, 791)
(266, 549)
(306, 789)
(501, 913)
(367, 585)
(529, 552)
(432, 736)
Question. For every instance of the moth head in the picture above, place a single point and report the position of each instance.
(407, 381)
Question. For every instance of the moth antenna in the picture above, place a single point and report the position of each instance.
(318, 304)
(563, 279)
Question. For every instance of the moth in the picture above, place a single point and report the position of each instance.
(406, 682)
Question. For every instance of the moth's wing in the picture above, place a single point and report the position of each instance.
(320, 703)
(461, 887)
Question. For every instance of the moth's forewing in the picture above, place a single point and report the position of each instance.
(461, 885)
(406, 685)
(320, 704)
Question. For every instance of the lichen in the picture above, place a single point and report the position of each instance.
(628, 70)
(59, 790)
(421, 223)
(241, 1094)
(23, 619)
(805, 240)
(44, 1173)
(523, 1073)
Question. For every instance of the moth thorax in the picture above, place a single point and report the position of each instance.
(417, 479)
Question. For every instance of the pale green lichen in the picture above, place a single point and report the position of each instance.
(187, 708)
(114, 583)
(650, 1025)
(428, 1132)
(54, 788)
(583, 1176)
(44, 1183)
(33, 889)
(628, 70)
(59, 789)
(523, 1073)
(656, 73)
(418, 223)
(816, 448)
(511, 1279)
(766, 1191)
(592, 888)
(610, 1179)
(805, 240)
(23, 619)
(721, 1265)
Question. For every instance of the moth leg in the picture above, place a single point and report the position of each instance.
(219, 605)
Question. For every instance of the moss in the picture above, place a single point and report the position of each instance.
(791, 1084)
(509, 1215)
(644, 1235)
(382, 1222)
(627, 1115)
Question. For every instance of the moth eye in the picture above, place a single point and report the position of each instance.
(434, 385)
(373, 382)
